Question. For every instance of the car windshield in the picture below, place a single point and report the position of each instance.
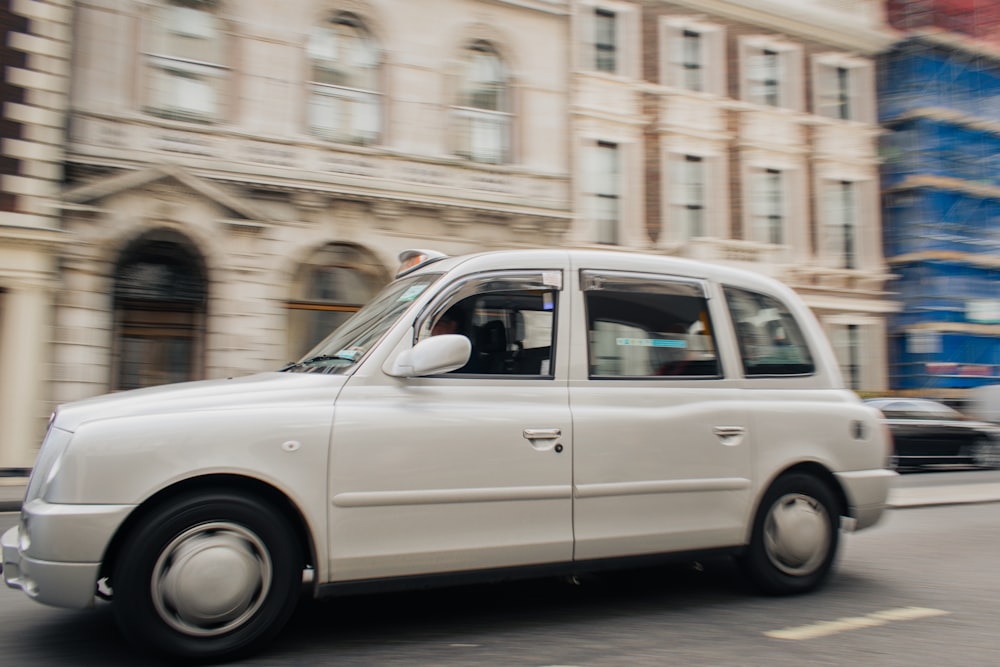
(349, 342)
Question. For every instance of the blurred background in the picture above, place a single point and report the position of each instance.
(203, 188)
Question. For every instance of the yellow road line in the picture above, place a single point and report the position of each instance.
(826, 628)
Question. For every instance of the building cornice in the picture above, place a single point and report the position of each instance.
(46, 238)
(974, 188)
(951, 256)
(836, 28)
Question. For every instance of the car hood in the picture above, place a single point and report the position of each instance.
(264, 389)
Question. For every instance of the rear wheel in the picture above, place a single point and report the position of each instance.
(208, 576)
(795, 536)
(986, 453)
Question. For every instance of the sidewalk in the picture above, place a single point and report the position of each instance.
(12, 492)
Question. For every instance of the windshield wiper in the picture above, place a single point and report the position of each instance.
(330, 357)
(321, 358)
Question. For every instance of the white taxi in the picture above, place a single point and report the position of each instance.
(516, 413)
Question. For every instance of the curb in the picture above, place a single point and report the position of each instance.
(933, 496)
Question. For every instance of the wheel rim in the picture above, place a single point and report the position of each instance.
(211, 579)
(797, 534)
(985, 454)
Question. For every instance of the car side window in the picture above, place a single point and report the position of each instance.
(509, 319)
(648, 326)
(770, 340)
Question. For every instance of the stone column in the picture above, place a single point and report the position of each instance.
(24, 344)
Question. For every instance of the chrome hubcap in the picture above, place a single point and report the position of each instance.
(797, 534)
(986, 455)
(211, 579)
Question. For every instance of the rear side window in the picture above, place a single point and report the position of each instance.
(770, 340)
(648, 326)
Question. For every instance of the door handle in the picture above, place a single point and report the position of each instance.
(729, 435)
(544, 439)
(542, 433)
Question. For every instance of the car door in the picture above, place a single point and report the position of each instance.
(467, 470)
(662, 449)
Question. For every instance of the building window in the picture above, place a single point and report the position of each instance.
(603, 170)
(687, 196)
(692, 55)
(841, 228)
(345, 104)
(772, 73)
(767, 214)
(482, 110)
(160, 296)
(331, 286)
(843, 88)
(764, 78)
(605, 42)
(692, 61)
(185, 64)
(852, 345)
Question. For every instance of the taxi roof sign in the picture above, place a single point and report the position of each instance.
(410, 260)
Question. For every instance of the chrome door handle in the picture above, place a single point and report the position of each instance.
(542, 433)
(729, 435)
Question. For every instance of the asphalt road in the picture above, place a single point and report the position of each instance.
(918, 590)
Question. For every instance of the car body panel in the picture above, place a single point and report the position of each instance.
(415, 476)
(459, 487)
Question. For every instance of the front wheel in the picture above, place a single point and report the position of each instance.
(208, 576)
(795, 536)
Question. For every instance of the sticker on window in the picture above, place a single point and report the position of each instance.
(349, 353)
(412, 293)
(651, 342)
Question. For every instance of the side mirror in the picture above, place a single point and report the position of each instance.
(431, 356)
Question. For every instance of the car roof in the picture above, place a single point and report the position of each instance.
(611, 260)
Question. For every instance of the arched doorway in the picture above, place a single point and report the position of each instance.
(160, 295)
(330, 286)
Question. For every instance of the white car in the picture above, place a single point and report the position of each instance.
(509, 413)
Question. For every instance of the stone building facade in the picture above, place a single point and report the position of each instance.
(238, 177)
(210, 185)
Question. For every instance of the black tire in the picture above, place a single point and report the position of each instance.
(208, 576)
(795, 536)
(986, 454)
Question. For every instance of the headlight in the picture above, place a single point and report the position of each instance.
(47, 464)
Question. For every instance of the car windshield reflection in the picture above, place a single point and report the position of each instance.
(348, 343)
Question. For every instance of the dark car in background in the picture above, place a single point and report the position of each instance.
(926, 432)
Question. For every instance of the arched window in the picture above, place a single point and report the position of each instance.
(160, 294)
(482, 108)
(186, 72)
(345, 104)
(332, 285)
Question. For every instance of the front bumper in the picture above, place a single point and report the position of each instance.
(867, 494)
(57, 584)
(55, 554)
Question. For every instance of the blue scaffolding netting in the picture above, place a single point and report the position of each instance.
(941, 215)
